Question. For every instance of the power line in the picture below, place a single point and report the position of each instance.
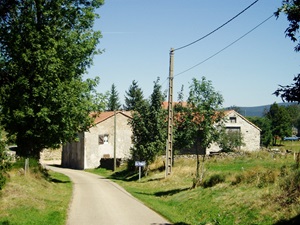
(216, 28)
(225, 47)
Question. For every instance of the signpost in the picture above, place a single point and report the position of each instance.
(140, 164)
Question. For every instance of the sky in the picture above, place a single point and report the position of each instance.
(138, 36)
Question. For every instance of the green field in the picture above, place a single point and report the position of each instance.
(242, 189)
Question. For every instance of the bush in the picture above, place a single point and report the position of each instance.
(4, 164)
(213, 180)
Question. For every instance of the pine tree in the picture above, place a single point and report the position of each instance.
(113, 101)
(149, 127)
(134, 97)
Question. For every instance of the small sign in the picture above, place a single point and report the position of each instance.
(140, 163)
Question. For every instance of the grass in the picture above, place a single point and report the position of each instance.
(258, 188)
(34, 198)
(239, 190)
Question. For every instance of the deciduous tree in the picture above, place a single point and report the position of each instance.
(291, 93)
(200, 122)
(280, 122)
(264, 124)
(45, 48)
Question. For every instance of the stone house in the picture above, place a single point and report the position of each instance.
(235, 122)
(98, 142)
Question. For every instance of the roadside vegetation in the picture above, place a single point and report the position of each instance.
(249, 188)
(36, 196)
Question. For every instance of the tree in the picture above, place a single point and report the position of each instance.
(134, 97)
(264, 124)
(291, 93)
(149, 127)
(113, 100)
(201, 120)
(45, 48)
(280, 122)
(294, 112)
(231, 140)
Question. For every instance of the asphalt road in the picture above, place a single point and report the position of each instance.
(98, 201)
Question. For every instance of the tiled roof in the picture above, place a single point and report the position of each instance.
(105, 115)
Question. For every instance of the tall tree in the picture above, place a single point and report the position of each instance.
(149, 127)
(113, 100)
(280, 122)
(200, 121)
(134, 97)
(264, 123)
(291, 93)
(294, 112)
(45, 48)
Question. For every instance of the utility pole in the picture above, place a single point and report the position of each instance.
(169, 146)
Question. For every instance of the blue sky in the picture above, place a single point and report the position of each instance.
(138, 35)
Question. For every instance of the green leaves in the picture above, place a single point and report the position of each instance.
(149, 127)
(45, 49)
(197, 121)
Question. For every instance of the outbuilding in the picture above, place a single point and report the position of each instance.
(110, 133)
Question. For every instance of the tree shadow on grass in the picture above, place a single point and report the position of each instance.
(170, 192)
(54, 180)
(165, 193)
(125, 176)
(295, 220)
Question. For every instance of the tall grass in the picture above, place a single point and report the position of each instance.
(37, 197)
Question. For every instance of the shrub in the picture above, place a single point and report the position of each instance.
(213, 180)
(4, 164)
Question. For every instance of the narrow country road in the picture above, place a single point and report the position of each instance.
(99, 201)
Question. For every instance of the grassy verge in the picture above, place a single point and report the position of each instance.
(34, 199)
(237, 190)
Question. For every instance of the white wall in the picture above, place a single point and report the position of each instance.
(95, 151)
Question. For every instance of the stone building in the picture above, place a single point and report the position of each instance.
(98, 142)
(235, 122)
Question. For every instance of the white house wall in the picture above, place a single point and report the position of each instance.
(95, 151)
(250, 133)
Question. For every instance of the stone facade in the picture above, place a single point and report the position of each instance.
(99, 141)
(250, 132)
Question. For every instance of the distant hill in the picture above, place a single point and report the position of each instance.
(258, 110)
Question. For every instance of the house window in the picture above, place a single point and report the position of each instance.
(232, 119)
(233, 129)
(103, 139)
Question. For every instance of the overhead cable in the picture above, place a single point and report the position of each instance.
(225, 47)
(216, 28)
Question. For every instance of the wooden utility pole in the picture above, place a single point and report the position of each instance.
(169, 146)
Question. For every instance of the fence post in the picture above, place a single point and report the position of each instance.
(26, 169)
